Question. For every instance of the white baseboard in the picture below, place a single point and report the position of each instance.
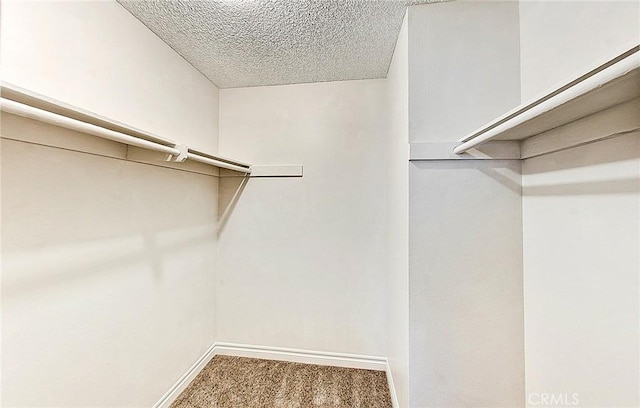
(184, 381)
(282, 354)
(302, 356)
(392, 388)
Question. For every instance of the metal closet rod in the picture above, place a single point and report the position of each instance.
(20, 109)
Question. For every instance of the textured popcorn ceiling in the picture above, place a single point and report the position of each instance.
(258, 42)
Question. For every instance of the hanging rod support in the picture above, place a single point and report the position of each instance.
(180, 157)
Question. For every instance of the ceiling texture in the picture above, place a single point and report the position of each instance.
(239, 43)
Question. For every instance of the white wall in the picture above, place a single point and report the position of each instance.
(563, 39)
(107, 274)
(581, 240)
(581, 222)
(108, 266)
(466, 330)
(464, 66)
(465, 262)
(398, 216)
(97, 56)
(303, 260)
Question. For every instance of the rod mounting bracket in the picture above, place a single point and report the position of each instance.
(182, 156)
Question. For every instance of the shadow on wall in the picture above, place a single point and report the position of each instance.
(108, 270)
(586, 170)
(61, 263)
(499, 170)
(621, 149)
(230, 189)
(69, 215)
(620, 186)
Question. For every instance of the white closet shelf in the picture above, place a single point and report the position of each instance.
(21, 102)
(612, 83)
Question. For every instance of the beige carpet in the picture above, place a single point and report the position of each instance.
(249, 382)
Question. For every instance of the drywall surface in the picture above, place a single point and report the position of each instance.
(397, 190)
(466, 340)
(581, 262)
(107, 265)
(97, 56)
(303, 260)
(464, 66)
(581, 222)
(107, 273)
(561, 40)
(466, 318)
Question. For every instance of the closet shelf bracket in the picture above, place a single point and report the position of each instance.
(180, 157)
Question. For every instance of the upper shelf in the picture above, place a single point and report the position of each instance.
(29, 104)
(610, 84)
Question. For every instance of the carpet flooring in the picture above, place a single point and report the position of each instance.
(253, 383)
